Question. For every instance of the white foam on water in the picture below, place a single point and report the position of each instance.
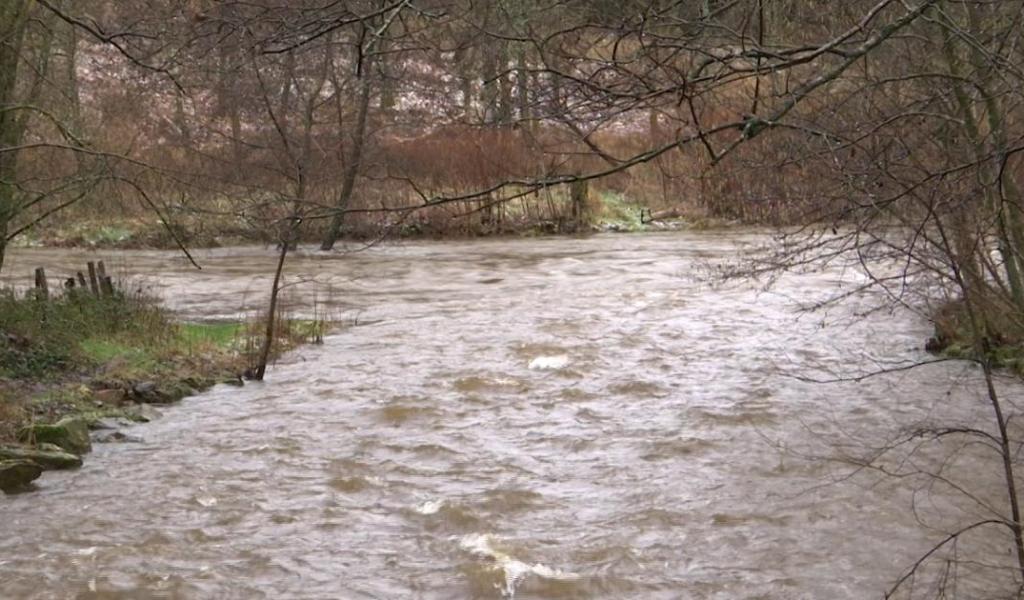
(483, 545)
(430, 507)
(544, 363)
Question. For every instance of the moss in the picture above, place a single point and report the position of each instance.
(70, 434)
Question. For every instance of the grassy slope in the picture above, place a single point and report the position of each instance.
(79, 354)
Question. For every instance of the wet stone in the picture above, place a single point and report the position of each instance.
(150, 393)
(109, 396)
(116, 437)
(17, 474)
(49, 457)
(111, 423)
(142, 413)
(71, 434)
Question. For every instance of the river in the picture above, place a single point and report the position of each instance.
(536, 418)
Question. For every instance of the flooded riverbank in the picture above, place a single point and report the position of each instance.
(555, 418)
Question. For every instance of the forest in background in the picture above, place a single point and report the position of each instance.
(223, 115)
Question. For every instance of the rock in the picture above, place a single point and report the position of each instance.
(199, 383)
(70, 433)
(111, 397)
(142, 413)
(117, 437)
(153, 396)
(150, 393)
(110, 423)
(179, 389)
(145, 391)
(936, 344)
(17, 474)
(103, 425)
(48, 456)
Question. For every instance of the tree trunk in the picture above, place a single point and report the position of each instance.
(13, 18)
(348, 182)
(580, 212)
(3, 242)
(488, 92)
(464, 60)
(505, 103)
(70, 39)
(967, 243)
(275, 290)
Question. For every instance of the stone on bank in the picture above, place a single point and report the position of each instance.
(47, 456)
(71, 434)
(17, 474)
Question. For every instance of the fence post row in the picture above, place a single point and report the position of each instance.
(99, 283)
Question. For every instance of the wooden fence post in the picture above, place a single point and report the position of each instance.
(94, 283)
(42, 288)
(579, 193)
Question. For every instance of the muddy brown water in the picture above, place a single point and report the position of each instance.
(555, 418)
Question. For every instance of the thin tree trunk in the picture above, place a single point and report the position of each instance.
(464, 60)
(523, 86)
(965, 236)
(3, 242)
(983, 350)
(70, 39)
(505, 103)
(1011, 230)
(275, 289)
(1006, 230)
(352, 167)
(1007, 453)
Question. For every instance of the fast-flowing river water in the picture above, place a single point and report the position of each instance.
(552, 418)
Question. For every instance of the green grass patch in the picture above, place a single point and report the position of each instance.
(618, 210)
(223, 335)
(132, 358)
(107, 235)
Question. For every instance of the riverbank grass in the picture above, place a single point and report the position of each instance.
(97, 357)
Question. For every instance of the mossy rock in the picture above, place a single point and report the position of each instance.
(70, 434)
(17, 474)
(48, 457)
(168, 392)
(198, 383)
(176, 390)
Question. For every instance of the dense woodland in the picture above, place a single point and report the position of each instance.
(478, 114)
